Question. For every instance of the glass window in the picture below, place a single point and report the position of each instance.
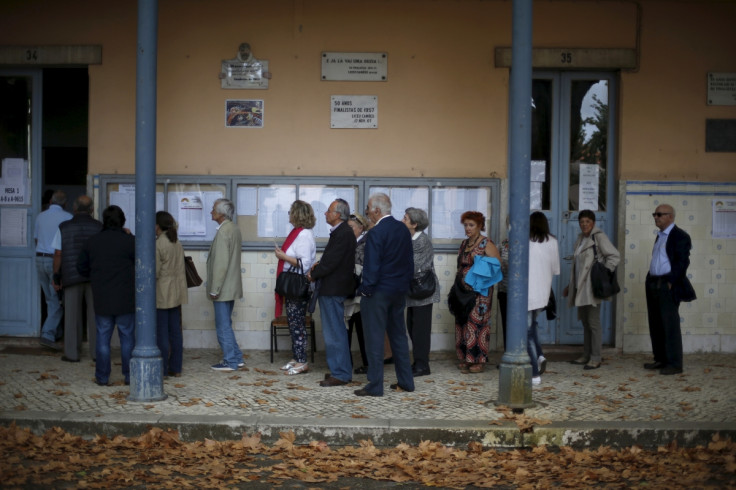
(589, 119)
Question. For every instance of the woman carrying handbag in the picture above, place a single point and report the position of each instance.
(298, 249)
(590, 242)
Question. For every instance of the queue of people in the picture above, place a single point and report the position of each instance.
(362, 282)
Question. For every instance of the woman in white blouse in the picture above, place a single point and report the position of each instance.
(544, 263)
(299, 245)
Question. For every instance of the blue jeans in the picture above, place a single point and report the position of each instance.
(225, 335)
(169, 338)
(332, 312)
(384, 313)
(126, 332)
(533, 348)
(54, 310)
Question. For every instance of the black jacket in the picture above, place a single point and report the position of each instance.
(108, 259)
(335, 268)
(74, 234)
(678, 252)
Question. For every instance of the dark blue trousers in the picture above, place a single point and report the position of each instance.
(383, 313)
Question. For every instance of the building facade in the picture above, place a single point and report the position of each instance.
(634, 105)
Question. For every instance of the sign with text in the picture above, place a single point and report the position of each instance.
(354, 111)
(721, 88)
(355, 67)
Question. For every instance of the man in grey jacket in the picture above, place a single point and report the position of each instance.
(224, 284)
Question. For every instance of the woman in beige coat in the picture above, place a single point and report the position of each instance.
(171, 293)
(580, 290)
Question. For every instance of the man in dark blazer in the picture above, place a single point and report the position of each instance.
(388, 268)
(666, 286)
(335, 273)
(108, 259)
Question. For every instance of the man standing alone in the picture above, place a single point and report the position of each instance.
(335, 272)
(388, 268)
(47, 224)
(224, 284)
(666, 286)
(69, 240)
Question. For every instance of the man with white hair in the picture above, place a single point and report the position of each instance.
(388, 268)
(224, 284)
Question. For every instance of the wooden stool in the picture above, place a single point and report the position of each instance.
(280, 328)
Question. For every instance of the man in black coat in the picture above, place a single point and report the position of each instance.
(666, 286)
(108, 259)
(335, 272)
(70, 239)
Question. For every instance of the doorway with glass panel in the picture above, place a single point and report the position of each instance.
(573, 168)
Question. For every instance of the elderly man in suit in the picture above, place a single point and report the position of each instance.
(335, 272)
(388, 268)
(224, 284)
(666, 286)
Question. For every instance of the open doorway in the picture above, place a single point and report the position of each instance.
(65, 130)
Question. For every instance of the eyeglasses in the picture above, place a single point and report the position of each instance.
(659, 215)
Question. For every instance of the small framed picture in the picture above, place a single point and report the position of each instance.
(244, 113)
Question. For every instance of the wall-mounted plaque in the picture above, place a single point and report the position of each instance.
(355, 67)
(354, 111)
(721, 88)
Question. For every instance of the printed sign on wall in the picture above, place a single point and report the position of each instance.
(354, 111)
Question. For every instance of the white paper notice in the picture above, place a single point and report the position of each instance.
(247, 200)
(588, 190)
(125, 200)
(724, 218)
(13, 229)
(190, 210)
(14, 183)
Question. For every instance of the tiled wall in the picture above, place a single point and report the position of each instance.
(708, 323)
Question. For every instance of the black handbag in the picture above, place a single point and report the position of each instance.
(423, 285)
(193, 279)
(604, 281)
(461, 301)
(551, 308)
(293, 284)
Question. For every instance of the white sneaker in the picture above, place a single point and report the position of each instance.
(542, 363)
(537, 380)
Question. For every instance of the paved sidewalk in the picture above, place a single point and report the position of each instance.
(619, 404)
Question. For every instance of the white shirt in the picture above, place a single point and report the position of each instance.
(544, 262)
(303, 247)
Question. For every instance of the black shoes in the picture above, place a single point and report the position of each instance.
(591, 365)
(389, 360)
(364, 392)
(66, 359)
(361, 370)
(669, 370)
(397, 386)
(416, 371)
(332, 381)
(654, 365)
(100, 383)
(48, 344)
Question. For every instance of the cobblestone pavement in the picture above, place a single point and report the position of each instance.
(35, 380)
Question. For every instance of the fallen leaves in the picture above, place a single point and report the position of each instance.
(158, 458)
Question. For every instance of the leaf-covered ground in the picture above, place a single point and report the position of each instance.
(158, 459)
